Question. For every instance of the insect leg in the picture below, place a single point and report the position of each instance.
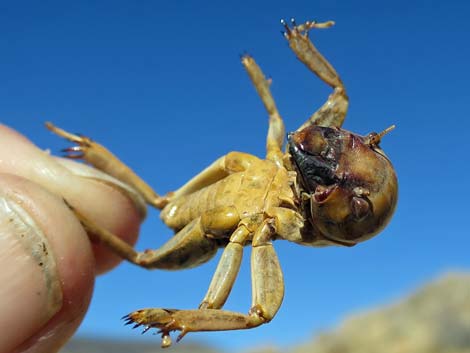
(222, 167)
(334, 110)
(276, 130)
(101, 158)
(266, 275)
(193, 245)
(227, 270)
(268, 292)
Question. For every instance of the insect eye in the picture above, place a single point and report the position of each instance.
(360, 208)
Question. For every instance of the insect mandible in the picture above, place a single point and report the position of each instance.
(329, 187)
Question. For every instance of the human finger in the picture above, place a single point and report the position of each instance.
(104, 201)
(47, 268)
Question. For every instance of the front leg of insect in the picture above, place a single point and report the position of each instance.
(333, 112)
(331, 187)
(349, 186)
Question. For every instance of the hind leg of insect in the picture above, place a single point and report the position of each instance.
(268, 292)
(334, 110)
(101, 158)
(191, 246)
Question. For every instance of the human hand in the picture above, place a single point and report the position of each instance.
(47, 262)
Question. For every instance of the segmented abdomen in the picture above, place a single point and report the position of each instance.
(183, 210)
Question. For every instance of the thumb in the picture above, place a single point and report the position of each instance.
(47, 268)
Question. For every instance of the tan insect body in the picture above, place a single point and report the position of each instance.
(329, 187)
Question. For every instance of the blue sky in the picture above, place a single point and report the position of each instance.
(160, 84)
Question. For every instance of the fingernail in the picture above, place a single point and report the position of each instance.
(30, 291)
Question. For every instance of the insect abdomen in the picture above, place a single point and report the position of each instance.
(183, 210)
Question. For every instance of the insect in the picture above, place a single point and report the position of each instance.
(329, 187)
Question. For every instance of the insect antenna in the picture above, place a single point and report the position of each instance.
(373, 139)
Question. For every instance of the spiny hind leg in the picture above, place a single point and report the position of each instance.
(276, 129)
(191, 246)
(268, 292)
(333, 111)
(168, 320)
(101, 158)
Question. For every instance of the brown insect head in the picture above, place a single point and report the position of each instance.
(350, 184)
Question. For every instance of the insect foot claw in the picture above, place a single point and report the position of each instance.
(303, 28)
(74, 152)
(78, 151)
(162, 319)
(286, 27)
